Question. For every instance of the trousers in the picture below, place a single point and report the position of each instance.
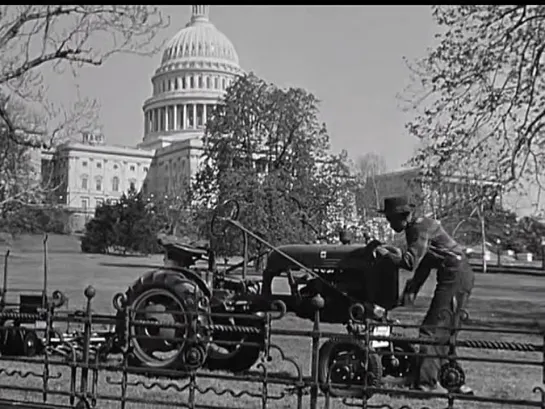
(455, 281)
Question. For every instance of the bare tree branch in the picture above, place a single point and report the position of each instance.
(35, 39)
(481, 98)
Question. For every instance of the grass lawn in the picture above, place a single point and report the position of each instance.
(497, 300)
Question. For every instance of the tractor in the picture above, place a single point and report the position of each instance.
(185, 290)
(344, 276)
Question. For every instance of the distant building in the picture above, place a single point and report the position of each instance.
(428, 195)
(87, 173)
(198, 64)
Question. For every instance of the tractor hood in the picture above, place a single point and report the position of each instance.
(355, 264)
(319, 256)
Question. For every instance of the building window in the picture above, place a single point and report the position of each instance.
(115, 184)
(162, 114)
(170, 110)
(200, 115)
(84, 163)
(154, 120)
(223, 83)
(180, 113)
(190, 123)
(99, 202)
(84, 203)
(201, 82)
(191, 82)
(84, 183)
(132, 185)
(115, 167)
(145, 169)
(132, 168)
(208, 82)
(99, 165)
(216, 83)
(98, 184)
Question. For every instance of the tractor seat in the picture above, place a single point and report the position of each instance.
(184, 247)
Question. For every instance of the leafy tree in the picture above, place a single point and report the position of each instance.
(500, 224)
(263, 147)
(176, 209)
(136, 225)
(530, 233)
(130, 225)
(100, 234)
(479, 94)
(367, 168)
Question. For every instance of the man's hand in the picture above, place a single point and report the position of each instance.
(390, 251)
(383, 251)
(409, 293)
(408, 298)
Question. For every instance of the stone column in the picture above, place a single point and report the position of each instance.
(184, 125)
(167, 117)
(194, 116)
(204, 114)
(175, 117)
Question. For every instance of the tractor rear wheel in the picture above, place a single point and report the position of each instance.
(167, 297)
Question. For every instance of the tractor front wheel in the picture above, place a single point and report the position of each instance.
(345, 366)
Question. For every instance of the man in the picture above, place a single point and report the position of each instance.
(429, 247)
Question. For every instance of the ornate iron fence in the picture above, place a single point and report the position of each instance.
(42, 367)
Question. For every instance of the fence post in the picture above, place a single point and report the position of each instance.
(317, 303)
(89, 293)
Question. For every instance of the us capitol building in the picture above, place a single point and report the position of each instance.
(197, 66)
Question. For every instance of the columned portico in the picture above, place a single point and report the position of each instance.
(178, 117)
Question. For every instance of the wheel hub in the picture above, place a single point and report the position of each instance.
(156, 345)
(347, 369)
(194, 356)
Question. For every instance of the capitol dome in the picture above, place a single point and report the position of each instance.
(197, 66)
(199, 40)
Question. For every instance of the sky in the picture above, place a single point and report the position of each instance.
(350, 57)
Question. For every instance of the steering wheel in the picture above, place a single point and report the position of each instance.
(228, 210)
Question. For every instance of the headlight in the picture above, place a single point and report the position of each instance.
(378, 311)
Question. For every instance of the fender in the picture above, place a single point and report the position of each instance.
(193, 276)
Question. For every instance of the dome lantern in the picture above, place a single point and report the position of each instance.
(199, 13)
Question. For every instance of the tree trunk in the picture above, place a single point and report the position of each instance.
(483, 236)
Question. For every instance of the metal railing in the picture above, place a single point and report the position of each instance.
(83, 369)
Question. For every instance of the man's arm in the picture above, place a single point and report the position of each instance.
(417, 247)
(420, 276)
